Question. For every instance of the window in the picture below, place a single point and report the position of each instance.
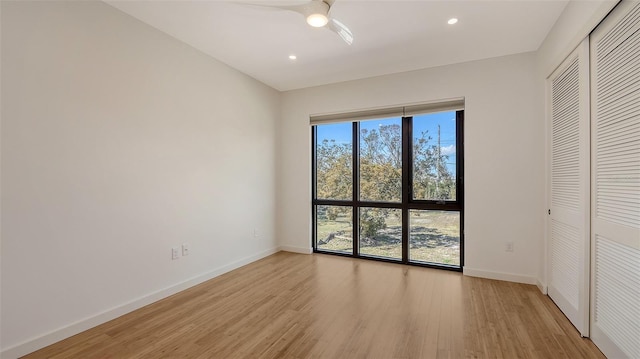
(390, 187)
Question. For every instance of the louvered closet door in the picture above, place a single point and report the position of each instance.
(615, 197)
(568, 246)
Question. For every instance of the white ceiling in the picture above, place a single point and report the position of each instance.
(390, 36)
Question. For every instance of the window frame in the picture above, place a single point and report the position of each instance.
(407, 202)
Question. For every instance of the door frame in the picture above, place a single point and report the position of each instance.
(580, 319)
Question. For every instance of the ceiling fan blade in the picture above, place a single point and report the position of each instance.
(299, 8)
(342, 30)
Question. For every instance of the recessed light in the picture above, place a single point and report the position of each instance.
(452, 21)
(292, 57)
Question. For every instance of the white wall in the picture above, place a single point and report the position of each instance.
(504, 155)
(575, 23)
(119, 142)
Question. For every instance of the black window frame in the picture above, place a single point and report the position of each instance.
(407, 203)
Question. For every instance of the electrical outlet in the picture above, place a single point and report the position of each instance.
(509, 247)
(185, 249)
(175, 253)
(255, 233)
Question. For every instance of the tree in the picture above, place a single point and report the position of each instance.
(333, 171)
(431, 177)
(381, 173)
(381, 164)
(371, 221)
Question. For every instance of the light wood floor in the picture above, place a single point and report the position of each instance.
(319, 306)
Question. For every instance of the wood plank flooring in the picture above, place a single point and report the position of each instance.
(320, 306)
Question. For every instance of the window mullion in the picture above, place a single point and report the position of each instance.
(383, 244)
(314, 187)
(406, 184)
(460, 177)
(355, 163)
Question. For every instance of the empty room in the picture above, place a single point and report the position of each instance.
(320, 179)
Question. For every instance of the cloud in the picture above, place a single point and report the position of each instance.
(448, 150)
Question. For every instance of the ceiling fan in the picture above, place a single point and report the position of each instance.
(317, 13)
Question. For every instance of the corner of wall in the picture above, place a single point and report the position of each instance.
(575, 23)
(509, 277)
(294, 249)
(541, 286)
(113, 313)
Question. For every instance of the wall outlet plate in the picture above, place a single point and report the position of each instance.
(509, 247)
(175, 253)
(185, 249)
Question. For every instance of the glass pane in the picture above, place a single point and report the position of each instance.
(381, 232)
(381, 160)
(334, 228)
(434, 156)
(334, 173)
(434, 237)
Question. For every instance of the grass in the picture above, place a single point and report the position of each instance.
(434, 237)
(336, 234)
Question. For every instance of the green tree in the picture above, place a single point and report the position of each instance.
(381, 164)
(431, 177)
(334, 174)
(381, 173)
(372, 220)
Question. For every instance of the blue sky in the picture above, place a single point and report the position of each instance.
(341, 132)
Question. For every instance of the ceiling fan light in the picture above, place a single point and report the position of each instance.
(317, 20)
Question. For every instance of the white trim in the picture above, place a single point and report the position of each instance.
(57, 335)
(541, 286)
(472, 272)
(605, 344)
(577, 311)
(294, 249)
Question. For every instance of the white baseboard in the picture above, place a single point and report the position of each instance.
(294, 249)
(541, 286)
(57, 335)
(471, 272)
